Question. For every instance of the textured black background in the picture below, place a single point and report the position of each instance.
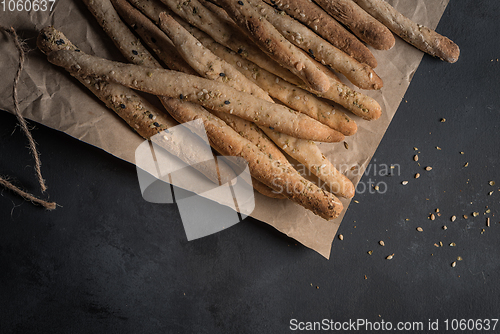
(107, 261)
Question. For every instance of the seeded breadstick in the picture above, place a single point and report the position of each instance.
(289, 94)
(121, 35)
(280, 177)
(358, 103)
(358, 73)
(268, 38)
(196, 14)
(306, 152)
(327, 27)
(143, 117)
(210, 94)
(359, 22)
(153, 37)
(212, 67)
(265, 190)
(108, 19)
(200, 58)
(423, 38)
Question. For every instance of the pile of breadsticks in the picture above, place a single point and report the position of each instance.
(258, 74)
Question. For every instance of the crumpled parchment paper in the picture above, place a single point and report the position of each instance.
(52, 97)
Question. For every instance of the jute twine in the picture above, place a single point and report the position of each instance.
(22, 122)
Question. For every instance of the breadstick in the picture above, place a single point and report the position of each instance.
(292, 96)
(358, 73)
(269, 40)
(358, 103)
(117, 30)
(265, 190)
(280, 177)
(359, 22)
(202, 60)
(211, 94)
(423, 38)
(306, 152)
(139, 113)
(152, 35)
(109, 21)
(327, 27)
(298, 98)
(196, 14)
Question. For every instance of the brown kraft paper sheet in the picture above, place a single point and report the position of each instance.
(50, 96)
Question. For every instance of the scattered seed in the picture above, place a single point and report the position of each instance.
(428, 168)
(487, 211)
(491, 183)
(466, 217)
(459, 258)
(453, 218)
(417, 175)
(416, 149)
(441, 243)
(341, 237)
(437, 209)
(420, 229)
(445, 227)
(390, 257)
(366, 277)
(454, 264)
(453, 244)
(370, 252)
(475, 214)
(462, 153)
(432, 216)
(436, 245)
(382, 243)
(376, 188)
(346, 145)
(356, 201)
(438, 148)
(490, 193)
(466, 164)
(488, 222)
(404, 183)
(415, 157)
(443, 120)
(482, 231)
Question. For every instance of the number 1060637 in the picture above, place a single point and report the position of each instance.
(27, 5)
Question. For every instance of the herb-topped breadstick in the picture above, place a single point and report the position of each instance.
(280, 177)
(289, 94)
(212, 67)
(211, 94)
(288, 90)
(139, 113)
(359, 22)
(358, 103)
(304, 151)
(358, 73)
(423, 38)
(196, 14)
(269, 39)
(153, 37)
(327, 27)
(117, 30)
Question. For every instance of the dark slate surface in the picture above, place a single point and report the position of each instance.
(107, 261)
